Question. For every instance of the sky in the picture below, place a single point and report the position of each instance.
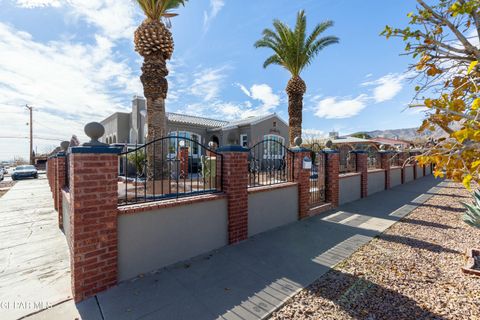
(74, 62)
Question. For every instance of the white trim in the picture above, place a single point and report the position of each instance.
(244, 135)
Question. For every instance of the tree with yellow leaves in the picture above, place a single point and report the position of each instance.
(443, 38)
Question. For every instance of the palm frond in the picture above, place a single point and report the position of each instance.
(293, 49)
(156, 9)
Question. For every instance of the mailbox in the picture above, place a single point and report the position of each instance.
(307, 163)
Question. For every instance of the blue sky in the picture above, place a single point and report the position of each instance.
(74, 62)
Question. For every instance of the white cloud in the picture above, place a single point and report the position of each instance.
(339, 108)
(207, 83)
(114, 18)
(387, 87)
(263, 93)
(215, 7)
(38, 3)
(69, 84)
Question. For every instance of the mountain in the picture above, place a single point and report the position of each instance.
(408, 134)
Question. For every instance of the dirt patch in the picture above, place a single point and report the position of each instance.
(5, 186)
(412, 271)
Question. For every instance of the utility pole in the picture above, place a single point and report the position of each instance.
(31, 133)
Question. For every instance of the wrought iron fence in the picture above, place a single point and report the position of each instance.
(348, 160)
(317, 179)
(374, 160)
(166, 168)
(396, 160)
(269, 163)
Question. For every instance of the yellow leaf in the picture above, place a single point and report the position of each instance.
(437, 174)
(466, 181)
(475, 164)
(476, 104)
(472, 65)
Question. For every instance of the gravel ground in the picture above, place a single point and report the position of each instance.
(412, 271)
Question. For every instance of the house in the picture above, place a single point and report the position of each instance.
(130, 128)
(396, 143)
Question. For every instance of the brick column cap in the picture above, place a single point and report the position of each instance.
(232, 148)
(96, 149)
(359, 151)
(300, 149)
(61, 154)
(387, 151)
(330, 151)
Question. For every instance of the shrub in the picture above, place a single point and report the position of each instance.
(472, 215)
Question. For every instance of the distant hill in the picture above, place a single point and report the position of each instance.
(408, 134)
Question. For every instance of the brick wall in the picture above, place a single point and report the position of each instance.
(385, 164)
(331, 176)
(93, 194)
(60, 184)
(302, 177)
(235, 183)
(362, 167)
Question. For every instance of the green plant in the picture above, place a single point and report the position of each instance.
(138, 160)
(472, 215)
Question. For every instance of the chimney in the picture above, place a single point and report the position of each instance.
(333, 135)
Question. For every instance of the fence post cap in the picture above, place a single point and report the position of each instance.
(94, 130)
(64, 145)
(232, 148)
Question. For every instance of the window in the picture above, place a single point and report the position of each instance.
(274, 147)
(193, 147)
(244, 140)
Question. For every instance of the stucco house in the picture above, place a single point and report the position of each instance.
(130, 128)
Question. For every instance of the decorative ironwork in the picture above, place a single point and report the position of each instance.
(348, 159)
(269, 163)
(374, 160)
(166, 168)
(317, 179)
(395, 160)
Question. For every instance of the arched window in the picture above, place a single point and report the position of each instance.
(114, 139)
(274, 146)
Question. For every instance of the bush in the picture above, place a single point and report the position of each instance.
(472, 215)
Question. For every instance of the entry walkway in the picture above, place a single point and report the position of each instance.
(34, 257)
(255, 277)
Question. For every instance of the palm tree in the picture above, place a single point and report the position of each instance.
(294, 51)
(154, 42)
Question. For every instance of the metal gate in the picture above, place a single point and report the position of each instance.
(317, 179)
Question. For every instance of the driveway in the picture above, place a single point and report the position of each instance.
(34, 257)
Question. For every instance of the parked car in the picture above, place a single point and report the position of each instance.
(21, 172)
(1, 174)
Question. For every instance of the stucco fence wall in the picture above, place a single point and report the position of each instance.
(66, 215)
(349, 187)
(154, 239)
(272, 207)
(419, 171)
(376, 181)
(395, 177)
(408, 173)
(428, 169)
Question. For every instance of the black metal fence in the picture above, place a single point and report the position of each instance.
(348, 160)
(317, 179)
(396, 160)
(374, 160)
(269, 163)
(166, 168)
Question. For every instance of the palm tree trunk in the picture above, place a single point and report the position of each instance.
(155, 87)
(295, 107)
(296, 88)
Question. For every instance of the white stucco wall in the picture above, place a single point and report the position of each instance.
(272, 208)
(409, 174)
(376, 182)
(395, 177)
(154, 239)
(350, 188)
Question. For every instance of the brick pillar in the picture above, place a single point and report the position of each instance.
(54, 184)
(49, 172)
(424, 168)
(302, 177)
(93, 230)
(235, 183)
(362, 167)
(183, 157)
(402, 163)
(385, 165)
(332, 184)
(415, 173)
(60, 183)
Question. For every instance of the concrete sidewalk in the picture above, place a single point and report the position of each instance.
(34, 257)
(255, 277)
